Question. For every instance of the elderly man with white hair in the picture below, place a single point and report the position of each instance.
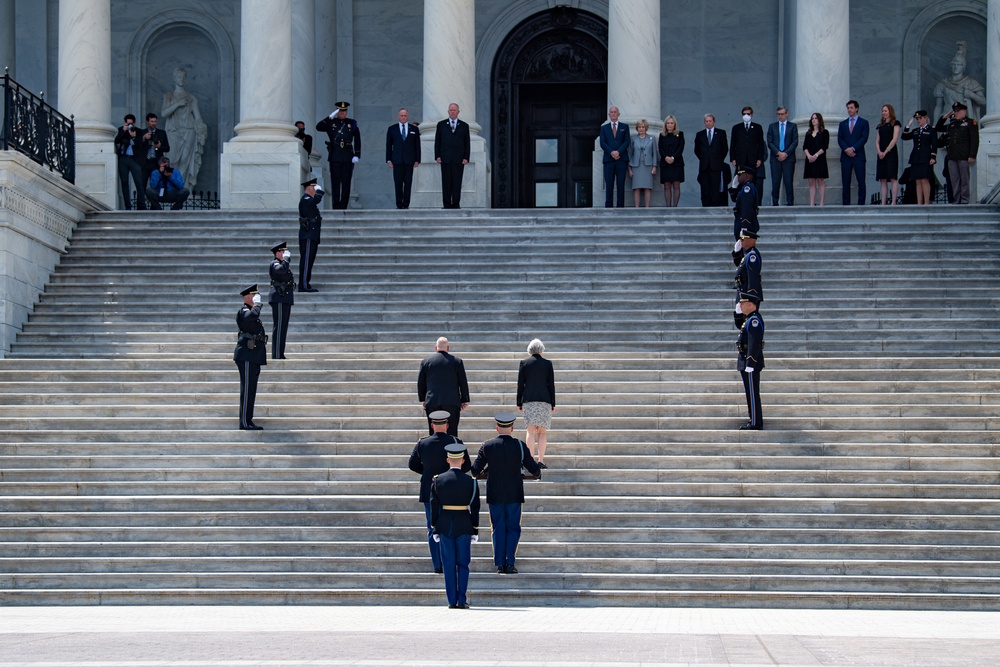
(442, 385)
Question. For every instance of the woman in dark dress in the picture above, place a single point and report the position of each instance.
(536, 398)
(815, 146)
(887, 167)
(923, 156)
(671, 145)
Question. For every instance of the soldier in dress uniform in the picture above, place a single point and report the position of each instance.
(748, 272)
(963, 145)
(428, 460)
(745, 196)
(750, 361)
(310, 224)
(250, 354)
(345, 151)
(455, 523)
(501, 459)
(281, 297)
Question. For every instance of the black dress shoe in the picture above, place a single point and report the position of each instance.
(254, 427)
(511, 569)
(462, 605)
(750, 427)
(311, 289)
(281, 357)
(542, 465)
(501, 570)
(453, 606)
(438, 570)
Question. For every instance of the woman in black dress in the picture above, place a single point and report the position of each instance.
(815, 146)
(923, 156)
(887, 167)
(671, 145)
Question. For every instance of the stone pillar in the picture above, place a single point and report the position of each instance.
(8, 46)
(633, 77)
(988, 163)
(262, 164)
(85, 93)
(450, 76)
(823, 84)
(304, 74)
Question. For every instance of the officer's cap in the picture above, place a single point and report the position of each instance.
(455, 451)
(505, 419)
(252, 289)
(747, 234)
(342, 105)
(920, 113)
(745, 170)
(750, 296)
(958, 106)
(439, 417)
(279, 246)
(311, 181)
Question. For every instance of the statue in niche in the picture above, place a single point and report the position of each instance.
(959, 88)
(182, 120)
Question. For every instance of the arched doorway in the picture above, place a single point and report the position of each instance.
(549, 88)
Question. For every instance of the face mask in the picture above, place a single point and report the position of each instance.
(746, 118)
(286, 255)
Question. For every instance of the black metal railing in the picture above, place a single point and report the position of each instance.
(35, 129)
(200, 200)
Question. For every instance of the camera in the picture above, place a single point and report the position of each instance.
(168, 170)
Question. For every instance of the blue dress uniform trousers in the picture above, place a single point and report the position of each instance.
(506, 522)
(434, 547)
(751, 385)
(456, 553)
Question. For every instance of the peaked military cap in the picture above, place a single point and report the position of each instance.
(342, 105)
(311, 181)
(749, 296)
(279, 246)
(743, 169)
(455, 451)
(439, 417)
(920, 113)
(252, 289)
(747, 234)
(505, 419)
(957, 106)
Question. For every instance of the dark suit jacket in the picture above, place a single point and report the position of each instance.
(123, 139)
(450, 146)
(502, 458)
(536, 381)
(398, 151)
(791, 140)
(747, 146)
(856, 140)
(429, 459)
(456, 489)
(442, 381)
(620, 143)
(158, 135)
(711, 157)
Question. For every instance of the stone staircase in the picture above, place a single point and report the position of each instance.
(124, 480)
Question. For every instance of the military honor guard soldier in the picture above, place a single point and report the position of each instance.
(745, 196)
(310, 225)
(428, 460)
(250, 354)
(962, 141)
(281, 297)
(455, 523)
(345, 152)
(750, 361)
(501, 460)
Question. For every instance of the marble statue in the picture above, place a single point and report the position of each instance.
(959, 88)
(186, 129)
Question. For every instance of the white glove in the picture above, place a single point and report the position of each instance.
(286, 255)
(319, 188)
(475, 539)
(737, 309)
(738, 246)
(749, 369)
(333, 114)
(437, 538)
(256, 299)
(354, 160)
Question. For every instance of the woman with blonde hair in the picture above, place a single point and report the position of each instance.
(671, 147)
(536, 398)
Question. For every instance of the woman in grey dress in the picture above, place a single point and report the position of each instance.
(536, 398)
(642, 160)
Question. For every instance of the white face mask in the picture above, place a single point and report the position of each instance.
(746, 118)
(286, 255)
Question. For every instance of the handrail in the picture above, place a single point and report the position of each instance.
(35, 129)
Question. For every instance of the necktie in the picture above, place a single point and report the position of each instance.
(402, 129)
(710, 136)
(852, 124)
(748, 127)
(781, 144)
(614, 129)
(452, 126)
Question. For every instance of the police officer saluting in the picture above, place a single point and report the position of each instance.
(345, 151)
(250, 354)
(428, 460)
(745, 196)
(455, 521)
(748, 280)
(750, 361)
(281, 297)
(502, 459)
(963, 146)
(310, 224)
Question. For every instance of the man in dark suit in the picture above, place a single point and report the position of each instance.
(455, 509)
(852, 135)
(402, 154)
(345, 152)
(711, 147)
(452, 149)
(442, 385)
(428, 460)
(615, 142)
(250, 354)
(782, 140)
(127, 142)
(502, 459)
(153, 145)
(746, 148)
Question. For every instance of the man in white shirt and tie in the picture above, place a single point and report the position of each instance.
(782, 140)
(452, 149)
(402, 154)
(852, 135)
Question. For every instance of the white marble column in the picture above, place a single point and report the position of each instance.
(633, 75)
(8, 48)
(450, 76)
(85, 93)
(304, 73)
(988, 163)
(262, 164)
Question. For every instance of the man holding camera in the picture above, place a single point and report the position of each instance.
(127, 143)
(281, 297)
(963, 145)
(152, 147)
(166, 184)
(250, 354)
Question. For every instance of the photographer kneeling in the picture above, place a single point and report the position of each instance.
(166, 184)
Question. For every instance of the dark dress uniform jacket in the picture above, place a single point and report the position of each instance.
(429, 459)
(751, 343)
(748, 274)
(502, 458)
(536, 381)
(282, 283)
(248, 320)
(345, 138)
(309, 211)
(962, 137)
(745, 211)
(442, 381)
(455, 488)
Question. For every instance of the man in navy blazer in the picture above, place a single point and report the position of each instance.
(402, 154)
(782, 140)
(852, 135)
(615, 142)
(452, 150)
